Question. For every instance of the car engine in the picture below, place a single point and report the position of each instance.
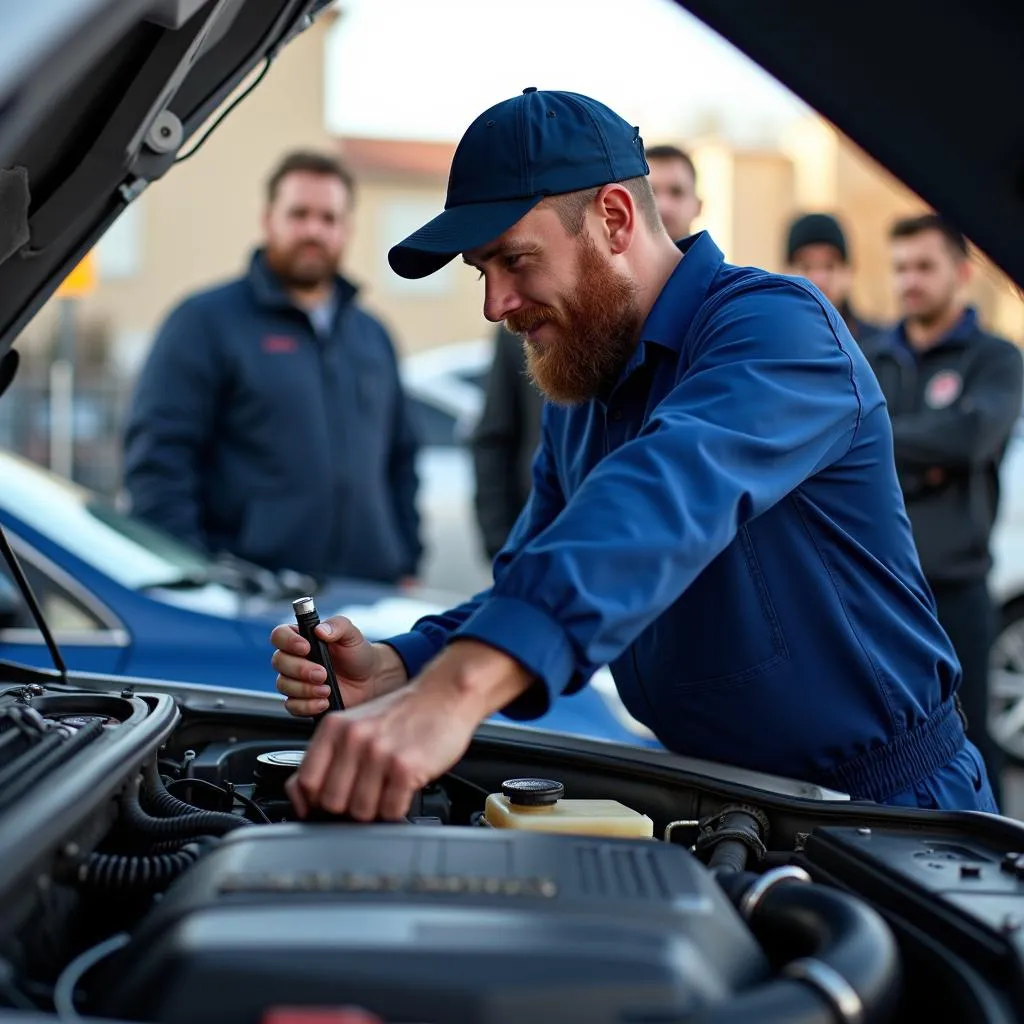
(152, 870)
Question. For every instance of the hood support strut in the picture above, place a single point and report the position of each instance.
(30, 599)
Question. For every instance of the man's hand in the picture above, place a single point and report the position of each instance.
(363, 670)
(371, 760)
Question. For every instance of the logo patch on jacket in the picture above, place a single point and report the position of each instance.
(275, 343)
(943, 389)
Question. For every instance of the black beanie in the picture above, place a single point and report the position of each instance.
(815, 229)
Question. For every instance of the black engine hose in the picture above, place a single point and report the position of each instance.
(849, 970)
(116, 872)
(195, 823)
(174, 845)
(735, 836)
(729, 856)
(167, 805)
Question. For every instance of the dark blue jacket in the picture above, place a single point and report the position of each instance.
(726, 530)
(953, 408)
(250, 434)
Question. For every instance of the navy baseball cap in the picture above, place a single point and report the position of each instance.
(538, 144)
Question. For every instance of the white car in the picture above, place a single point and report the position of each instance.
(445, 386)
(1006, 683)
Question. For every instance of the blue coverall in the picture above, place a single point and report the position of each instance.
(726, 530)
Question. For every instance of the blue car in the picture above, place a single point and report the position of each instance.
(122, 597)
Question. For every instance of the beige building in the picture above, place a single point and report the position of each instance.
(197, 225)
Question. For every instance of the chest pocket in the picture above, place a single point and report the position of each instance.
(722, 632)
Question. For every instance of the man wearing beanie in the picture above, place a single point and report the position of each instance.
(816, 249)
(715, 511)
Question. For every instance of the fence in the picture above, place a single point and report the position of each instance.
(99, 414)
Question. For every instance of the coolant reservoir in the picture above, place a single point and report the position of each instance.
(536, 805)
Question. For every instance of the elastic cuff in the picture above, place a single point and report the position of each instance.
(415, 649)
(535, 640)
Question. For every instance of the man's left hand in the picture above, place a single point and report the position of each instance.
(371, 760)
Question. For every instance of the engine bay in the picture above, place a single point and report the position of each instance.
(153, 870)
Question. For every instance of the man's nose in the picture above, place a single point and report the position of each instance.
(500, 300)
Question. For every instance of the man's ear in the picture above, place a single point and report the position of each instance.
(617, 214)
(964, 271)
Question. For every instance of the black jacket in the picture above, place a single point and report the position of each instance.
(862, 330)
(953, 409)
(249, 433)
(504, 442)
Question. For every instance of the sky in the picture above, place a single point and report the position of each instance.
(424, 69)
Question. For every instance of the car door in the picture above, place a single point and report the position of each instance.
(88, 635)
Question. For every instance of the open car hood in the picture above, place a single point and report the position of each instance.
(98, 98)
(930, 91)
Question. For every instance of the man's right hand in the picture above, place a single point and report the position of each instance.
(364, 670)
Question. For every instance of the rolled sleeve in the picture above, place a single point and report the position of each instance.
(535, 640)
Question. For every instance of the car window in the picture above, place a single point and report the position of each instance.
(93, 529)
(434, 427)
(62, 610)
(477, 377)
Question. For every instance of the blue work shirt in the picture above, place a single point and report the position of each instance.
(726, 530)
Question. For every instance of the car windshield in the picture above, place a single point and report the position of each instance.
(92, 529)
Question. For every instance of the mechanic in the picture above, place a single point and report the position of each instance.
(508, 432)
(282, 359)
(816, 248)
(715, 509)
(954, 394)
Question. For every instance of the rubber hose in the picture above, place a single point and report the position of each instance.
(777, 1002)
(843, 934)
(173, 845)
(729, 856)
(195, 823)
(736, 838)
(115, 872)
(167, 805)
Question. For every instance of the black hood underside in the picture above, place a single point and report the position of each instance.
(932, 90)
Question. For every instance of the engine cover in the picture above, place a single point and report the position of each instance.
(434, 924)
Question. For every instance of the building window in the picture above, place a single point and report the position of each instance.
(398, 219)
(119, 251)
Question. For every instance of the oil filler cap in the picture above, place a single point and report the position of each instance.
(532, 792)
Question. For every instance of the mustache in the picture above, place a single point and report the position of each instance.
(525, 320)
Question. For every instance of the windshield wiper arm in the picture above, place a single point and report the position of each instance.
(30, 599)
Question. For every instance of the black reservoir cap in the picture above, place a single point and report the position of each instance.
(532, 792)
(274, 768)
